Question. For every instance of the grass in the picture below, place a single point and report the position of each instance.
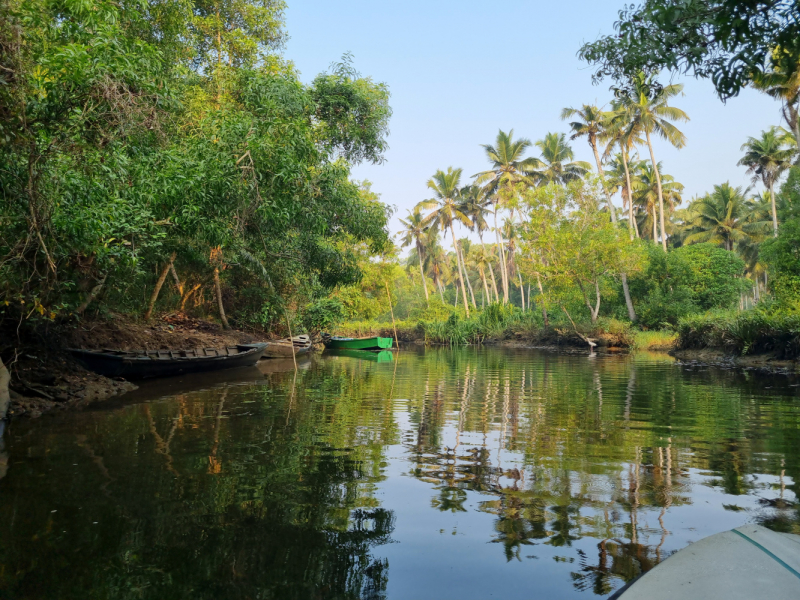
(654, 340)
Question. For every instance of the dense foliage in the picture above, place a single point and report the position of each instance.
(138, 138)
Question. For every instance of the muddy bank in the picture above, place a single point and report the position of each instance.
(45, 377)
(719, 358)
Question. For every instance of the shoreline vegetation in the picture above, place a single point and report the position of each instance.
(169, 160)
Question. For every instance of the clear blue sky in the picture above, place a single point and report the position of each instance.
(459, 71)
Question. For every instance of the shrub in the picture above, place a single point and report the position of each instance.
(754, 331)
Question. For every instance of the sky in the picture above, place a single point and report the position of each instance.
(460, 71)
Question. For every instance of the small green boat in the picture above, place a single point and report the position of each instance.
(372, 343)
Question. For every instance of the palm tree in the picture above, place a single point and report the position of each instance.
(619, 178)
(509, 168)
(593, 123)
(767, 158)
(414, 233)
(648, 106)
(645, 195)
(475, 204)
(723, 217)
(557, 164)
(435, 258)
(624, 131)
(447, 211)
(786, 88)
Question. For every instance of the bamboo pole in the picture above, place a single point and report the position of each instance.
(291, 341)
(391, 310)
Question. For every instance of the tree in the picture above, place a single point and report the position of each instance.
(722, 217)
(447, 210)
(645, 195)
(414, 233)
(509, 169)
(580, 247)
(648, 105)
(624, 130)
(593, 124)
(476, 205)
(783, 83)
(235, 33)
(727, 41)
(767, 158)
(556, 160)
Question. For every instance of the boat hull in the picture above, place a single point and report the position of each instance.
(281, 351)
(373, 343)
(130, 365)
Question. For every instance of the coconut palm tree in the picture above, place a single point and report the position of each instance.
(593, 123)
(618, 177)
(476, 205)
(446, 211)
(648, 106)
(556, 159)
(624, 132)
(414, 233)
(645, 182)
(785, 87)
(723, 217)
(766, 158)
(435, 258)
(509, 168)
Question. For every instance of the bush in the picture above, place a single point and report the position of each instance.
(323, 314)
(751, 332)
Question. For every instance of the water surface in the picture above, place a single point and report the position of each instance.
(463, 474)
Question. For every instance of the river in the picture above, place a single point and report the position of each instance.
(438, 474)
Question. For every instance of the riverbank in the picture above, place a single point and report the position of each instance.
(45, 377)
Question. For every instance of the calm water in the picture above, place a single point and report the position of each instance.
(467, 474)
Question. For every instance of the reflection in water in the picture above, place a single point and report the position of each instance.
(460, 473)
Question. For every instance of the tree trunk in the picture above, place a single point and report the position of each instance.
(466, 278)
(486, 295)
(628, 302)
(631, 223)
(494, 284)
(92, 295)
(660, 193)
(159, 283)
(541, 293)
(774, 211)
(422, 272)
(603, 181)
(5, 395)
(460, 276)
(521, 290)
(218, 289)
(177, 279)
(503, 273)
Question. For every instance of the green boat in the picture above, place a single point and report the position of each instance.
(372, 343)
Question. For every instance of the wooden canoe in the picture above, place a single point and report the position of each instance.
(144, 364)
(283, 348)
(371, 343)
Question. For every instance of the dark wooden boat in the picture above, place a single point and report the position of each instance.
(144, 364)
(283, 348)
